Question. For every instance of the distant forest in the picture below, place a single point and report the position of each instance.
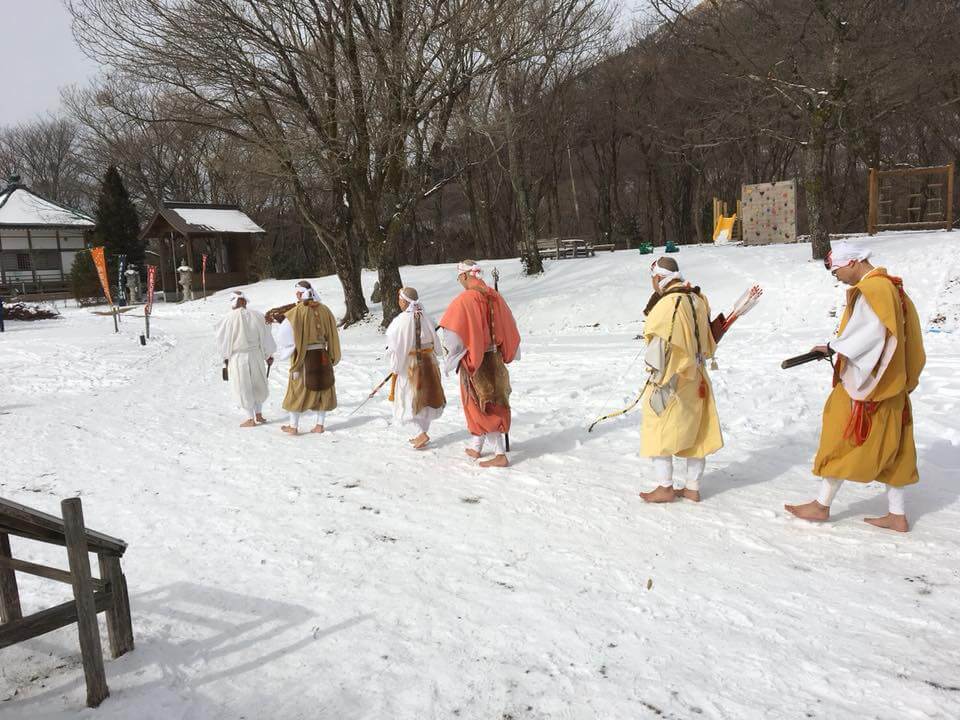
(378, 133)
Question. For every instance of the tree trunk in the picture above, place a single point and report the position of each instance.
(349, 273)
(815, 187)
(529, 255)
(345, 256)
(388, 272)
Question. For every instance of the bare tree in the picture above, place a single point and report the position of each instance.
(44, 153)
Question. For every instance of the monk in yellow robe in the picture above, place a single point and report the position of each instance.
(679, 413)
(308, 336)
(867, 429)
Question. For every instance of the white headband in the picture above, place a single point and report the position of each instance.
(843, 252)
(308, 293)
(474, 270)
(415, 304)
(664, 274)
(235, 296)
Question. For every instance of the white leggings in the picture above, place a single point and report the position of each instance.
(830, 486)
(252, 413)
(422, 423)
(295, 418)
(496, 438)
(663, 471)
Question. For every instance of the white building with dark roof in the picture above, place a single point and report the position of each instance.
(38, 241)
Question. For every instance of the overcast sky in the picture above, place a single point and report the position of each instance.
(40, 56)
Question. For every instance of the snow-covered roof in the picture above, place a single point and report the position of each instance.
(21, 206)
(200, 219)
(228, 220)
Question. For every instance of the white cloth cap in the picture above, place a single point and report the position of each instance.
(306, 293)
(664, 274)
(474, 270)
(415, 305)
(844, 252)
(235, 296)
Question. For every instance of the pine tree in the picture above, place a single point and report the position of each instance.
(84, 280)
(118, 228)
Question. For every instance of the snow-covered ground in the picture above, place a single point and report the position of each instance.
(345, 576)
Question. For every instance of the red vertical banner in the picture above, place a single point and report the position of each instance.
(100, 261)
(203, 274)
(151, 284)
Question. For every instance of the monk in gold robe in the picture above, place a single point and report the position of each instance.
(867, 431)
(308, 336)
(481, 339)
(679, 413)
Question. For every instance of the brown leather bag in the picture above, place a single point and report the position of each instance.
(491, 381)
(424, 376)
(317, 370)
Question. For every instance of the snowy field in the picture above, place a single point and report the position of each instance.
(346, 576)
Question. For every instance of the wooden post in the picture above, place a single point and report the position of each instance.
(9, 595)
(91, 651)
(119, 625)
(33, 265)
(950, 197)
(872, 202)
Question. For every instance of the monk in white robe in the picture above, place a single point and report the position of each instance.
(416, 390)
(246, 346)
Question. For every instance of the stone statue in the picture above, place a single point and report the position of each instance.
(133, 284)
(186, 280)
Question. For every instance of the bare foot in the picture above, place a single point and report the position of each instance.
(420, 441)
(289, 429)
(248, 423)
(261, 419)
(687, 494)
(890, 522)
(317, 429)
(662, 494)
(472, 453)
(496, 461)
(812, 511)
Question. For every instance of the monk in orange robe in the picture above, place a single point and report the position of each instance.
(481, 339)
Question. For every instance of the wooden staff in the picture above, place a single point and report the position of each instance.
(372, 393)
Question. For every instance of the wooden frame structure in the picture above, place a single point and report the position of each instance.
(929, 204)
(91, 595)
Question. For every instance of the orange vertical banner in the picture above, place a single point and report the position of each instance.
(101, 263)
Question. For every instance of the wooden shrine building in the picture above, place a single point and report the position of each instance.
(182, 233)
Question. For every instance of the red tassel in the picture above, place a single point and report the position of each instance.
(703, 388)
(860, 423)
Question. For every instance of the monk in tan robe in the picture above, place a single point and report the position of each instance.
(867, 431)
(308, 336)
(679, 412)
(481, 339)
